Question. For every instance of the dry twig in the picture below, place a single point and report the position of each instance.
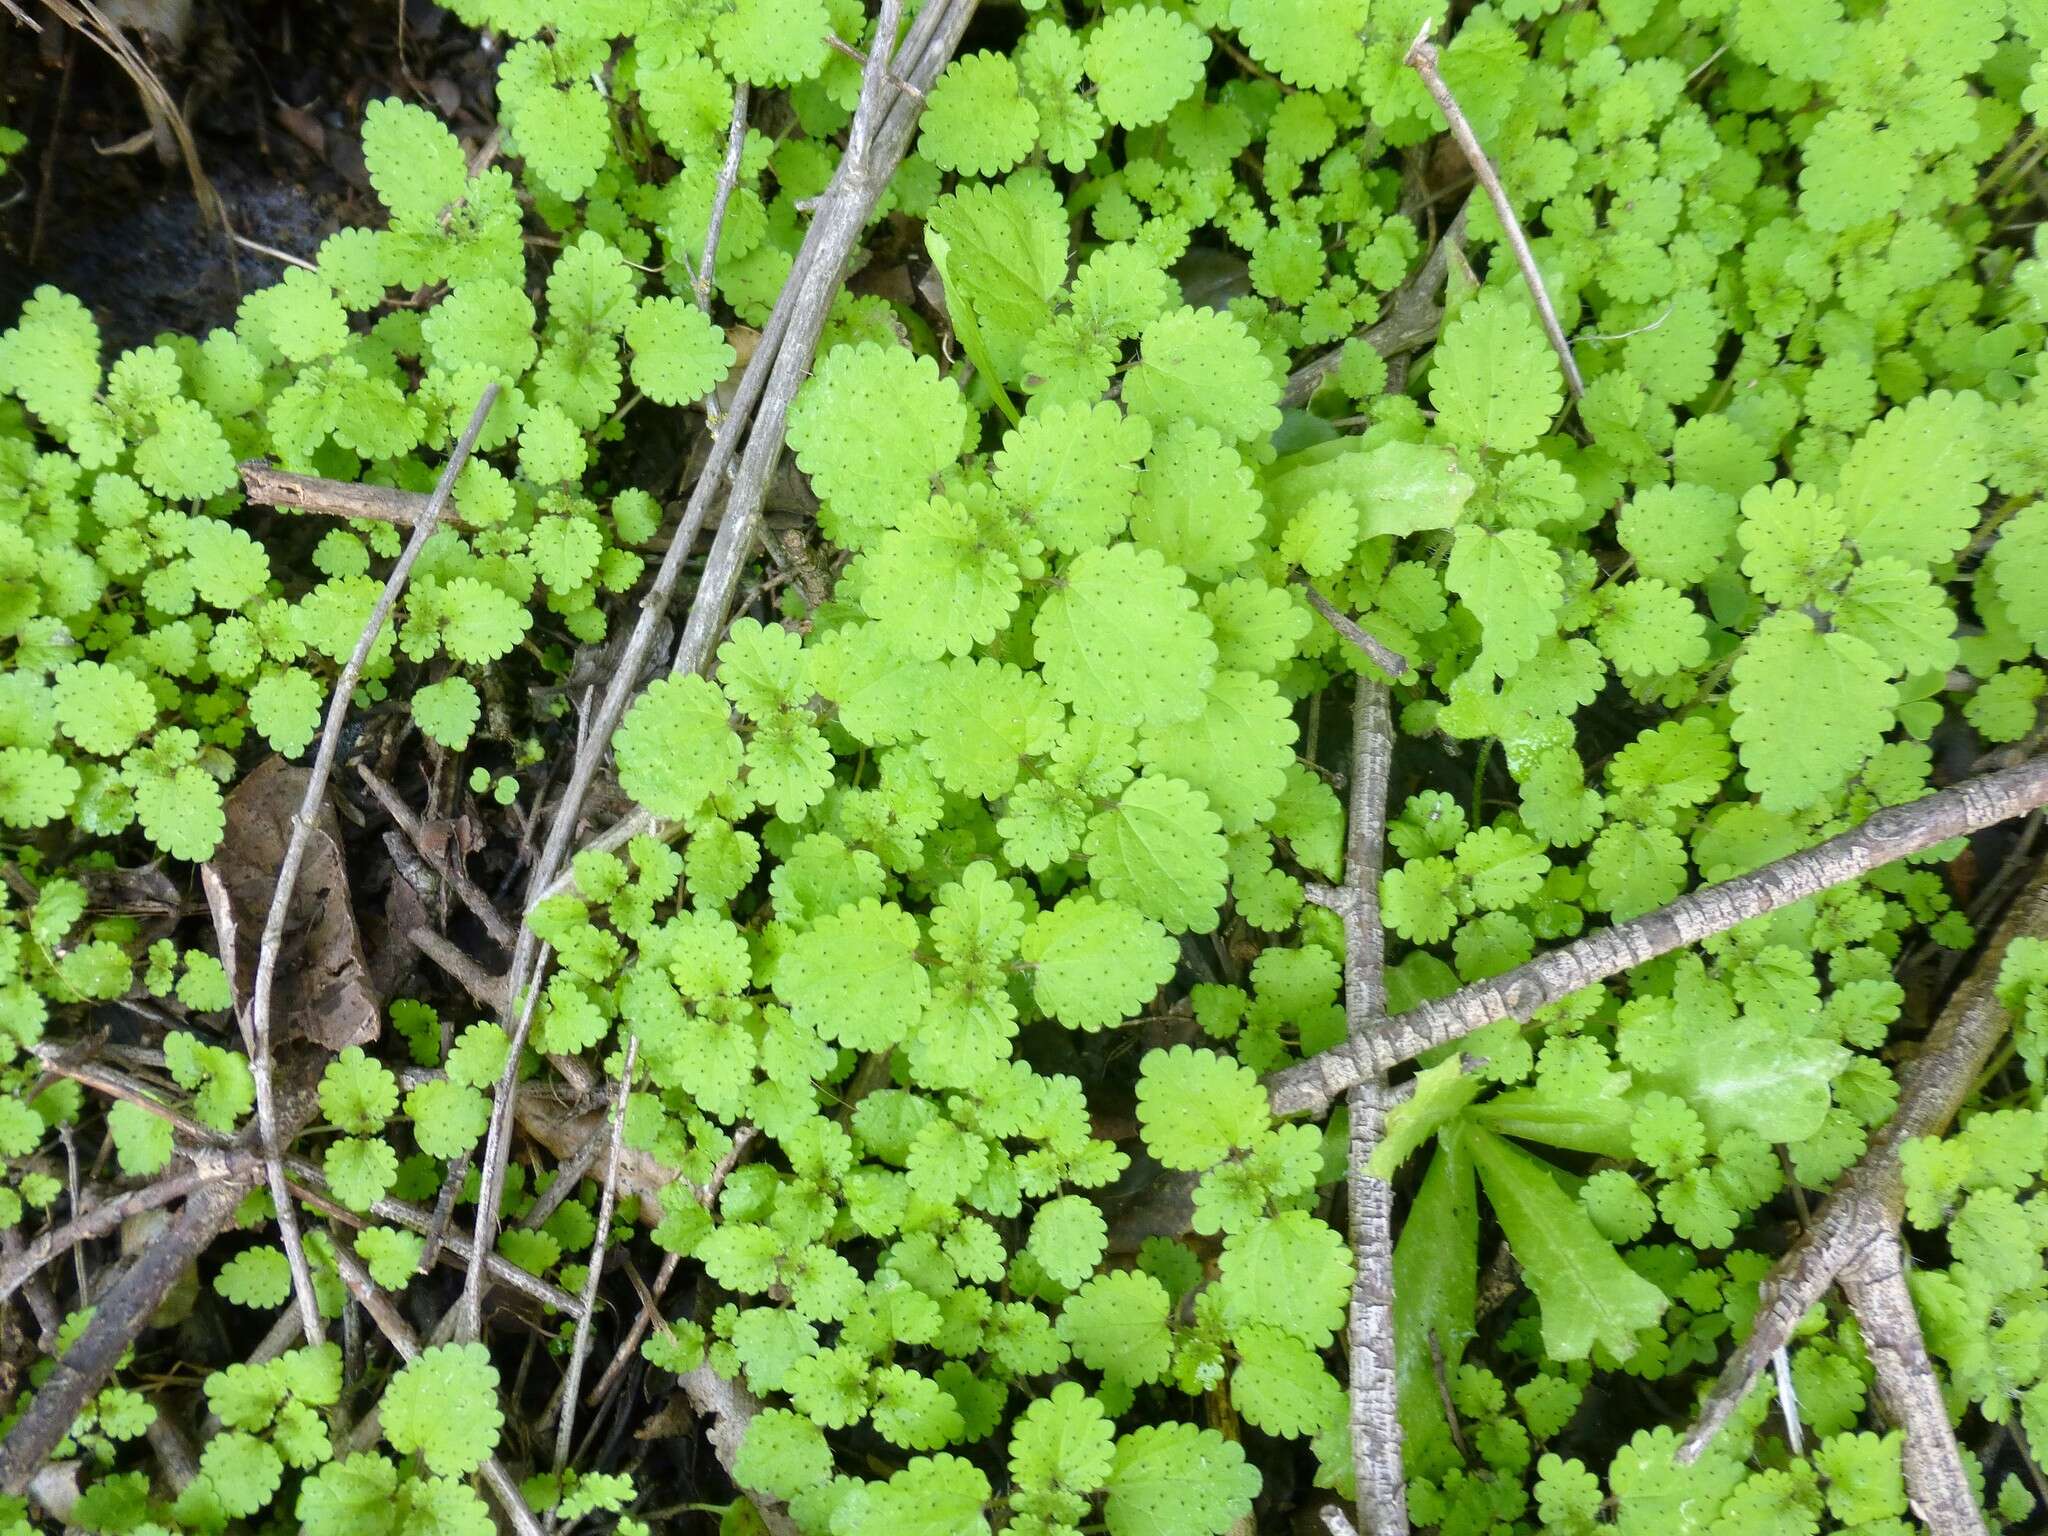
(1853, 1241)
(256, 1018)
(123, 1310)
(766, 387)
(1890, 835)
(1411, 320)
(399, 1332)
(579, 1351)
(448, 867)
(1375, 1407)
(207, 1166)
(1388, 660)
(1421, 58)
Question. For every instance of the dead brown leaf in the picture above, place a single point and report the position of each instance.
(323, 993)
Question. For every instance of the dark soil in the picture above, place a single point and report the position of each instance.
(273, 94)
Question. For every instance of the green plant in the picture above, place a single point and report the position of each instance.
(980, 884)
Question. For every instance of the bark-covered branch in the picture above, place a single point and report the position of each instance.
(1857, 1225)
(1375, 1402)
(124, 1309)
(1890, 835)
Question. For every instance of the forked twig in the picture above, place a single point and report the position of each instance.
(504, 1490)
(208, 1165)
(1853, 1241)
(579, 1351)
(1892, 834)
(1387, 659)
(766, 386)
(1422, 58)
(806, 298)
(257, 1020)
(1375, 1402)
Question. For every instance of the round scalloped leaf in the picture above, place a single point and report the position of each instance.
(1067, 1238)
(1144, 61)
(872, 426)
(242, 1471)
(415, 164)
(1197, 502)
(1201, 366)
(1062, 1443)
(1195, 1108)
(676, 746)
(444, 1405)
(102, 708)
(981, 718)
(186, 457)
(1177, 1480)
(855, 977)
(936, 584)
(679, 355)
(550, 105)
(1493, 379)
(1313, 45)
(447, 712)
(783, 1454)
(284, 706)
(1116, 1323)
(1810, 709)
(1236, 751)
(51, 358)
(1071, 472)
(35, 787)
(1161, 849)
(485, 321)
(976, 120)
(1290, 1272)
(1096, 962)
(481, 624)
(1122, 640)
(772, 42)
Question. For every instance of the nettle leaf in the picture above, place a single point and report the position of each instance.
(855, 976)
(444, 1407)
(1121, 639)
(1177, 1480)
(1117, 1323)
(1161, 849)
(1811, 707)
(676, 746)
(1493, 378)
(1095, 963)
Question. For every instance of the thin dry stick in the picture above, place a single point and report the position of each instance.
(1411, 319)
(1890, 835)
(334, 498)
(270, 948)
(1864, 1208)
(1388, 660)
(504, 1490)
(1375, 1404)
(708, 1195)
(792, 329)
(579, 1351)
(841, 215)
(1937, 1484)
(1421, 58)
(481, 907)
(123, 1310)
(703, 279)
(489, 991)
(103, 1218)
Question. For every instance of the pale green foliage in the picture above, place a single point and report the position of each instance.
(1059, 751)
